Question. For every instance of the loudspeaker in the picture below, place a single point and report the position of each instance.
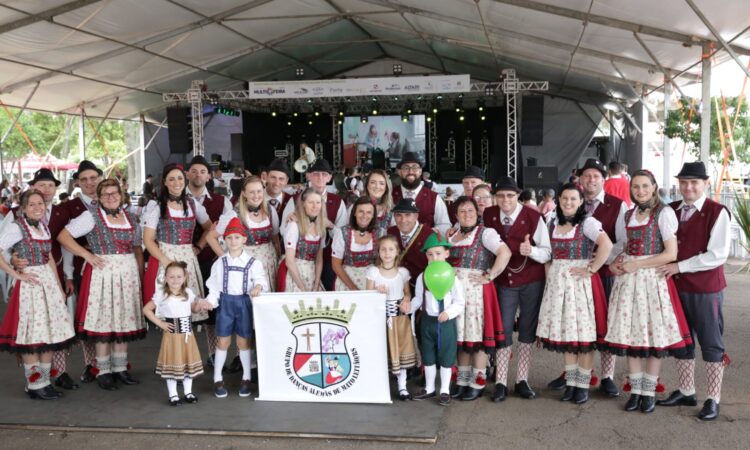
(532, 120)
(180, 130)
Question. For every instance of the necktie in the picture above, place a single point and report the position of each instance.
(411, 194)
(45, 218)
(93, 202)
(506, 224)
(404, 240)
(590, 206)
(687, 212)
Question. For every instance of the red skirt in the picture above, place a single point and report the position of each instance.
(493, 335)
(149, 279)
(281, 277)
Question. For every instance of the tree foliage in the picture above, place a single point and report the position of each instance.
(683, 122)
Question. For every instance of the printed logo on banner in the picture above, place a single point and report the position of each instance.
(269, 91)
(321, 363)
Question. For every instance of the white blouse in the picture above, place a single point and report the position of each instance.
(291, 237)
(591, 229)
(339, 243)
(152, 214)
(490, 239)
(667, 222)
(395, 285)
(84, 224)
(13, 235)
(221, 226)
(173, 307)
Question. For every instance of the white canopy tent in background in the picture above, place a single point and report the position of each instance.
(114, 58)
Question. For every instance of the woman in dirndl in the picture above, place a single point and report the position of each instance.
(36, 322)
(168, 234)
(484, 198)
(573, 313)
(479, 255)
(645, 320)
(354, 246)
(109, 308)
(261, 225)
(302, 266)
(378, 189)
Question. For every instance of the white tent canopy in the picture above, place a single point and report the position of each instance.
(89, 53)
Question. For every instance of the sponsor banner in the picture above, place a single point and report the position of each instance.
(352, 87)
(322, 347)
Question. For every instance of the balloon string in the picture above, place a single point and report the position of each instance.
(440, 310)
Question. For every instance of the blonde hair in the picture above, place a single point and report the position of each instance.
(182, 292)
(242, 203)
(387, 200)
(303, 221)
(383, 240)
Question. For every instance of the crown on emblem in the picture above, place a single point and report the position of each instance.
(319, 311)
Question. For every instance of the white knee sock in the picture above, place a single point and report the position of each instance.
(445, 380)
(187, 385)
(429, 378)
(172, 387)
(402, 380)
(219, 359)
(245, 359)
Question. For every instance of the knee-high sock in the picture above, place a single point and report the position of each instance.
(571, 375)
(89, 353)
(686, 375)
(33, 371)
(583, 378)
(608, 365)
(445, 380)
(714, 376)
(524, 361)
(636, 383)
(430, 372)
(402, 380)
(502, 360)
(187, 385)
(119, 361)
(44, 369)
(478, 378)
(211, 338)
(219, 359)
(172, 387)
(463, 378)
(648, 385)
(245, 360)
(104, 365)
(60, 361)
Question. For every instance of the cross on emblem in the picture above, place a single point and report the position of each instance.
(307, 335)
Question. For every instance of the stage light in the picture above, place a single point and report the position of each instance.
(409, 110)
(461, 118)
(309, 122)
(316, 111)
(419, 97)
(341, 113)
(339, 121)
(309, 100)
(363, 118)
(489, 91)
(289, 123)
(458, 105)
(299, 72)
(398, 69)
(295, 114)
(429, 118)
(480, 105)
(482, 118)
(404, 117)
(439, 97)
(273, 113)
(374, 99)
(374, 111)
(395, 98)
(434, 110)
(226, 111)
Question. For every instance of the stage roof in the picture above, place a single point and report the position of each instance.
(90, 52)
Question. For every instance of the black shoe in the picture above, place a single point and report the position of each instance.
(633, 403)
(648, 404)
(210, 361)
(570, 392)
(472, 394)
(45, 393)
(175, 401)
(524, 390)
(500, 393)
(677, 398)
(424, 395)
(445, 400)
(64, 381)
(88, 374)
(609, 388)
(236, 366)
(459, 391)
(190, 398)
(404, 395)
(581, 396)
(125, 378)
(710, 410)
(106, 382)
(558, 384)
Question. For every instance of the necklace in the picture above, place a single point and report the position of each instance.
(32, 222)
(254, 211)
(312, 219)
(643, 208)
(467, 230)
(174, 198)
(389, 268)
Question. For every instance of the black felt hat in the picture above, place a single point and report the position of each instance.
(406, 205)
(693, 170)
(278, 165)
(199, 159)
(593, 163)
(474, 172)
(506, 184)
(410, 157)
(321, 165)
(44, 174)
(86, 165)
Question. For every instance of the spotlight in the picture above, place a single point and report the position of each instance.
(316, 111)
(439, 97)
(341, 113)
(489, 91)
(429, 118)
(339, 122)
(480, 105)
(299, 72)
(273, 113)
(398, 69)
(461, 118)
(404, 118)
(482, 117)
(434, 110)
(289, 123)
(374, 111)
(363, 118)
(459, 105)
(309, 122)
(295, 114)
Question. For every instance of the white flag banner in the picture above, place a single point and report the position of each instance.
(322, 347)
(346, 87)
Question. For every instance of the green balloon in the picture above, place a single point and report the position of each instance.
(439, 277)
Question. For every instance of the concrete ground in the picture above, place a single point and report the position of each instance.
(541, 423)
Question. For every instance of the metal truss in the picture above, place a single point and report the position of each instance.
(338, 162)
(196, 113)
(452, 149)
(511, 86)
(432, 142)
(467, 151)
(485, 145)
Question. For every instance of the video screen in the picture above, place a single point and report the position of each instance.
(381, 141)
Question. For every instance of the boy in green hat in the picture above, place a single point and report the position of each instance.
(439, 338)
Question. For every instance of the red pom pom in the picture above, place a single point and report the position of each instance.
(626, 387)
(481, 381)
(726, 360)
(659, 386)
(594, 379)
(54, 373)
(94, 370)
(454, 373)
(34, 377)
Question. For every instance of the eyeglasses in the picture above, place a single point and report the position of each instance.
(508, 195)
(482, 197)
(411, 168)
(109, 195)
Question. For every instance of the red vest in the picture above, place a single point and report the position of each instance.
(526, 223)
(76, 207)
(692, 239)
(607, 213)
(57, 221)
(414, 260)
(425, 203)
(214, 207)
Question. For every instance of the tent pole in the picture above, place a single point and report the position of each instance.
(82, 136)
(667, 151)
(718, 37)
(99, 127)
(706, 104)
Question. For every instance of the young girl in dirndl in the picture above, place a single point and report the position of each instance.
(572, 316)
(179, 358)
(387, 277)
(302, 266)
(646, 321)
(36, 322)
(354, 247)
